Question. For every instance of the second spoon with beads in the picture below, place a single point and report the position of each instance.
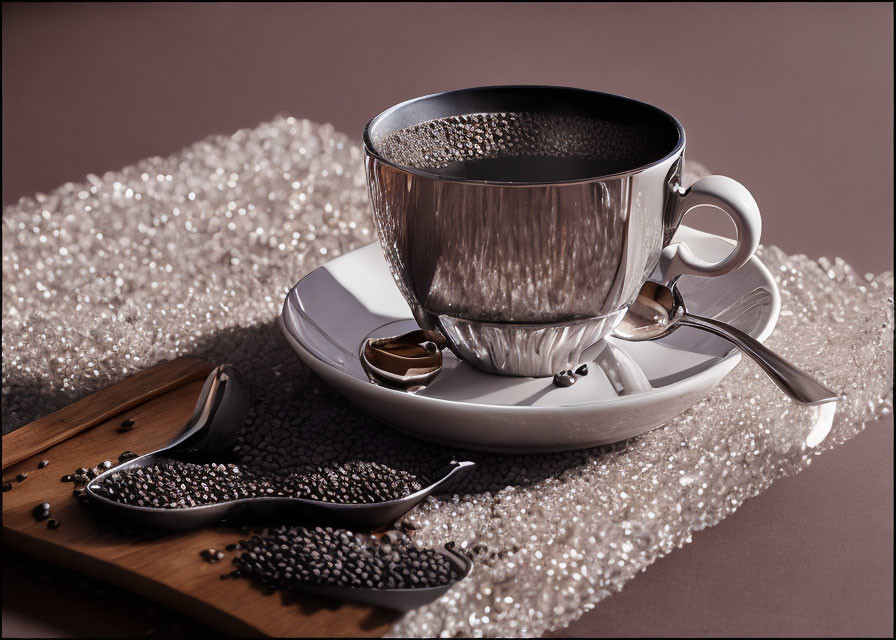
(210, 436)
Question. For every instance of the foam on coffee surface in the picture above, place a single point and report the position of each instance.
(521, 147)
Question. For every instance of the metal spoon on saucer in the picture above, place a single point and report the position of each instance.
(412, 360)
(659, 310)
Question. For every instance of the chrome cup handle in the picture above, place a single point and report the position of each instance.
(731, 197)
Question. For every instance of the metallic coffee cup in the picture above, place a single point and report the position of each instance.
(522, 275)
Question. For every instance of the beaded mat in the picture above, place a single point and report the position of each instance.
(194, 253)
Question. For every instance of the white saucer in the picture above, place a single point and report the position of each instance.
(630, 388)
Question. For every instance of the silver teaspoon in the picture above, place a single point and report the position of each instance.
(659, 310)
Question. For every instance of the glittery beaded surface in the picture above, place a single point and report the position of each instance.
(194, 253)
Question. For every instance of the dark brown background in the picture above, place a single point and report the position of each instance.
(794, 100)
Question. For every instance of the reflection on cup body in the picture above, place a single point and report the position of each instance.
(521, 221)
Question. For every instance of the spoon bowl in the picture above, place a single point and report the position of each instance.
(397, 599)
(409, 361)
(653, 314)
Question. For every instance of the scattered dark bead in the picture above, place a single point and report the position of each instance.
(211, 555)
(81, 471)
(42, 464)
(407, 526)
(582, 370)
(232, 547)
(80, 492)
(41, 511)
(127, 425)
(127, 455)
(21, 477)
(7, 486)
(105, 465)
(67, 478)
(565, 378)
(53, 524)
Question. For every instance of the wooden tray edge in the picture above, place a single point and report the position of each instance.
(100, 406)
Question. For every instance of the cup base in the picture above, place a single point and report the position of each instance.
(533, 350)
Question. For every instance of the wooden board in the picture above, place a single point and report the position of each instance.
(167, 569)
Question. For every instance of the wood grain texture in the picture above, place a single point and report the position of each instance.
(102, 405)
(167, 569)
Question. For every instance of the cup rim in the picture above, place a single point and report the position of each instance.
(371, 150)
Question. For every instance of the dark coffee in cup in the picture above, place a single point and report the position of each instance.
(523, 147)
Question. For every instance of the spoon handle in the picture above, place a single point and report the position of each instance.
(795, 382)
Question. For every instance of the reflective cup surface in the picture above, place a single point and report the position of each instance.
(520, 222)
